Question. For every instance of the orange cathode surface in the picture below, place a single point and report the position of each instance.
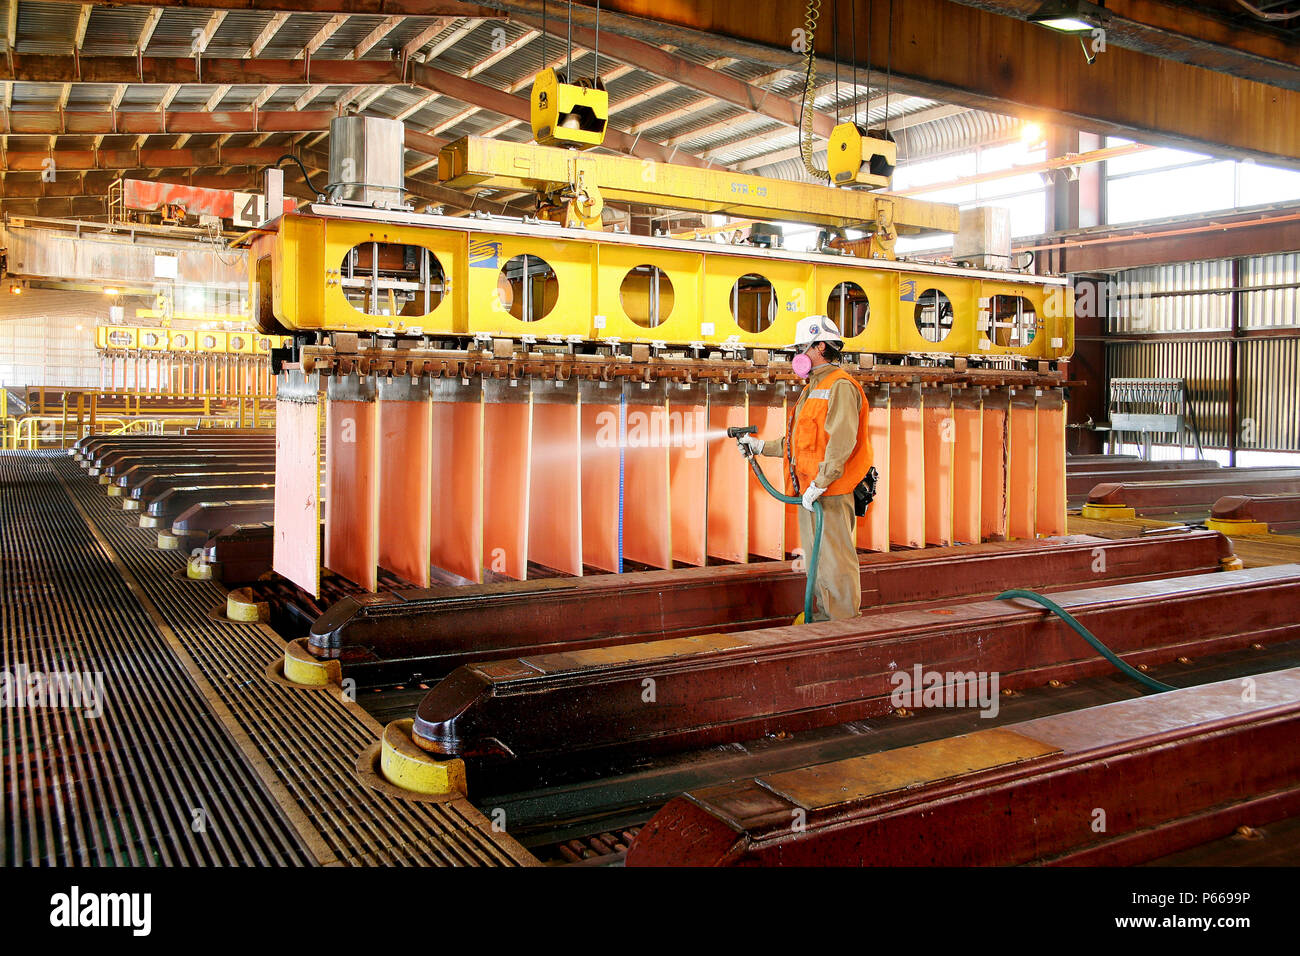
(555, 511)
(456, 486)
(405, 465)
(1023, 467)
(688, 473)
(352, 491)
(967, 469)
(906, 470)
(646, 523)
(600, 461)
(296, 547)
(507, 426)
(1050, 518)
(873, 527)
(728, 480)
(940, 437)
(766, 514)
(993, 470)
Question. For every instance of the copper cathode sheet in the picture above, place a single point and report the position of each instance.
(873, 527)
(555, 512)
(906, 470)
(456, 480)
(940, 437)
(1022, 465)
(507, 443)
(688, 473)
(296, 543)
(601, 476)
(405, 467)
(352, 489)
(967, 469)
(646, 523)
(1050, 447)
(766, 514)
(729, 477)
(993, 469)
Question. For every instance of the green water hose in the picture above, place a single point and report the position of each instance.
(817, 533)
(1087, 635)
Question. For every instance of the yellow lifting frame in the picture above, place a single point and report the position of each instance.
(479, 162)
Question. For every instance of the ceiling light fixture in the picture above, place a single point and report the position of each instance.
(1068, 16)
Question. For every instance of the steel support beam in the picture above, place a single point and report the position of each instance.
(972, 57)
(725, 688)
(426, 634)
(948, 802)
(1185, 239)
(1187, 34)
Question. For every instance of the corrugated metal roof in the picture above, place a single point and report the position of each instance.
(695, 122)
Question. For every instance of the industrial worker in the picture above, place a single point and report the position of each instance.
(827, 449)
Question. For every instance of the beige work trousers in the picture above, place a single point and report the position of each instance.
(838, 592)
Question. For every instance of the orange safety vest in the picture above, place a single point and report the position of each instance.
(806, 439)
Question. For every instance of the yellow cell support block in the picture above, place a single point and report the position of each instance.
(198, 569)
(115, 491)
(1108, 512)
(168, 541)
(130, 504)
(405, 765)
(1232, 526)
(103, 479)
(1231, 563)
(241, 606)
(150, 521)
(301, 667)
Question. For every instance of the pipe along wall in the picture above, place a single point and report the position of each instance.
(482, 479)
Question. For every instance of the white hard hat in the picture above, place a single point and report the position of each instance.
(815, 328)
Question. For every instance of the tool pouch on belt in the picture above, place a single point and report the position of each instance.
(864, 492)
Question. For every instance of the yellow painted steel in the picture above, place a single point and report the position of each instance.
(1109, 512)
(1232, 526)
(568, 114)
(242, 606)
(849, 152)
(475, 161)
(301, 667)
(585, 298)
(125, 338)
(405, 765)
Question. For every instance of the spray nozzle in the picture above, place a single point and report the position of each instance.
(740, 431)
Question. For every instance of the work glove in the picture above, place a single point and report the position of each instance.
(811, 495)
(752, 444)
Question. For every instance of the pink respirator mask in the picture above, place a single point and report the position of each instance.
(801, 364)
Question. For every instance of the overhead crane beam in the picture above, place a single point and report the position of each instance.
(474, 161)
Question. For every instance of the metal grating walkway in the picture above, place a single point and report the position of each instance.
(191, 722)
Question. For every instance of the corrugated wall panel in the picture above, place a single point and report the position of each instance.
(1272, 308)
(1150, 311)
(1269, 370)
(1204, 365)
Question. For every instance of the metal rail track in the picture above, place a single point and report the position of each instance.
(303, 744)
(128, 787)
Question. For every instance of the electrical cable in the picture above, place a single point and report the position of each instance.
(811, 14)
(1264, 15)
(835, 55)
(305, 175)
(889, 60)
